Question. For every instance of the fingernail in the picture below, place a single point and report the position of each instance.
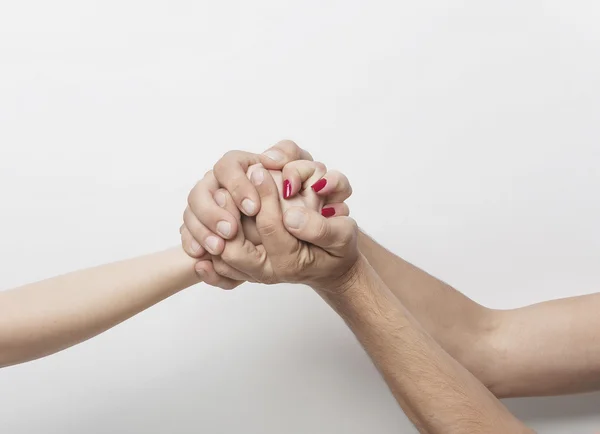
(287, 189)
(195, 246)
(201, 272)
(294, 219)
(224, 228)
(328, 212)
(319, 185)
(274, 155)
(249, 206)
(212, 243)
(220, 199)
(257, 177)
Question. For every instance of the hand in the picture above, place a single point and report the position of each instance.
(302, 175)
(298, 246)
(207, 224)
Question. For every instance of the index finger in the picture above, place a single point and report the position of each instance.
(230, 172)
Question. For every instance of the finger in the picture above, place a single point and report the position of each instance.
(230, 173)
(224, 199)
(334, 235)
(207, 273)
(249, 259)
(206, 238)
(190, 245)
(297, 173)
(205, 204)
(335, 185)
(225, 270)
(269, 222)
(335, 210)
(240, 260)
(282, 153)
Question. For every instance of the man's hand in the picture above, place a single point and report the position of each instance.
(206, 223)
(300, 245)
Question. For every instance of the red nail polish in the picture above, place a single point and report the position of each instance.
(319, 185)
(328, 212)
(287, 189)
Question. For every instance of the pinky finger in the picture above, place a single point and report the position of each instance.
(207, 273)
(335, 210)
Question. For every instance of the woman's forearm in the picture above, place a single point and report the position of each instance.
(48, 316)
(437, 393)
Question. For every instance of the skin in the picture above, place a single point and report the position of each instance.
(516, 352)
(496, 346)
(203, 217)
(301, 246)
(43, 318)
(548, 348)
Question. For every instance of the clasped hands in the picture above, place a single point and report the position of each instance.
(272, 218)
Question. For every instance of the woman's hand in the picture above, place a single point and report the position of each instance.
(207, 224)
(298, 245)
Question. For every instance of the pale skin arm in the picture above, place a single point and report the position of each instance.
(548, 348)
(436, 392)
(48, 316)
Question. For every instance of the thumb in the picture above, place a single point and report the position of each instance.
(334, 235)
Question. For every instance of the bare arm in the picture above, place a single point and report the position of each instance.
(545, 349)
(548, 348)
(437, 393)
(45, 317)
(302, 246)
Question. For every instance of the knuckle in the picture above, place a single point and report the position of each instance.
(193, 192)
(290, 147)
(321, 167)
(345, 184)
(266, 229)
(187, 218)
(237, 185)
(323, 230)
(229, 155)
(195, 195)
(348, 236)
(221, 165)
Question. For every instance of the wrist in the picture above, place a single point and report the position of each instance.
(349, 281)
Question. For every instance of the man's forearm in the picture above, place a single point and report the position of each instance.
(460, 325)
(45, 317)
(516, 352)
(437, 393)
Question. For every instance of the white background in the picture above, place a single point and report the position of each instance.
(470, 131)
